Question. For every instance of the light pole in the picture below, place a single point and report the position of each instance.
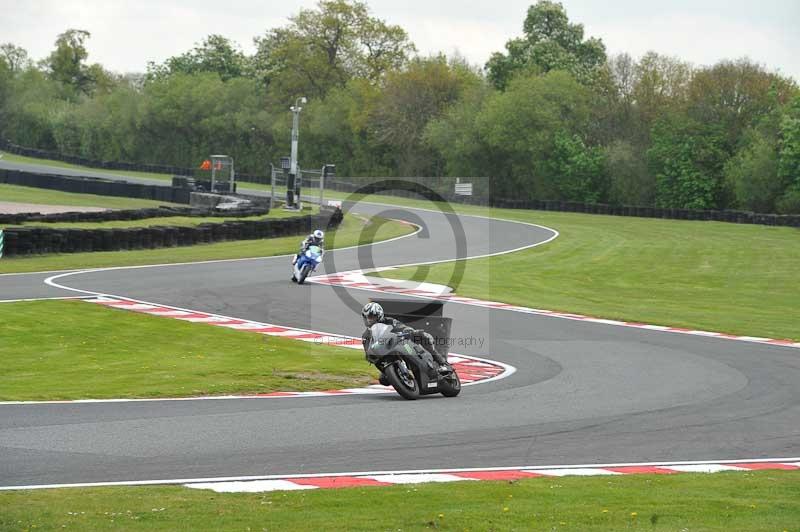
(295, 109)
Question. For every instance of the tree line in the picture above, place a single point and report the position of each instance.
(550, 117)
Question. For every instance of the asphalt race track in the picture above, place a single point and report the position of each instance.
(583, 393)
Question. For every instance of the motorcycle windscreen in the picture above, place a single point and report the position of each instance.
(314, 250)
(381, 342)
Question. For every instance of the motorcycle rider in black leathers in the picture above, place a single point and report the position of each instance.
(372, 313)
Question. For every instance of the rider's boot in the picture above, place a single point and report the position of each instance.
(444, 367)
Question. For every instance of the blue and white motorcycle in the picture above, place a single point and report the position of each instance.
(306, 264)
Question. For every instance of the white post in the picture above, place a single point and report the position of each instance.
(272, 185)
(295, 136)
(321, 185)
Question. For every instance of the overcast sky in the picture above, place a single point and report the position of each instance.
(128, 34)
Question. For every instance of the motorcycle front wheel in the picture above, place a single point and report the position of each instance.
(450, 386)
(304, 273)
(406, 385)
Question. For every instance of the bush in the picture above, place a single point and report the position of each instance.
(630, 181)
(790, 201)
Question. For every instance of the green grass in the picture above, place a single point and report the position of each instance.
(241, 185)
(88, 351)
(43, 196)
(21, 159)
(759, 501)
(731, 278)
(353, 231)
(740, 279)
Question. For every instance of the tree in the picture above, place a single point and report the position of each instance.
(789, 166)
(661, 85)
(385, 48)
(630, 183)
(579, 171)
(326, 47)
(520, 127)
(5, 82)
(409, 100)
(337, 129)
(616, 114)
(789, 158)
(183, 118)
(550, 42)
(30, 103)
(753, 174)
(736, 95)
(15, 57)
(687, 159)
(66, 62)
(456, 138)
(215, 54)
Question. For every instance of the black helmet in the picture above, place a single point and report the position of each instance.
(371, 313)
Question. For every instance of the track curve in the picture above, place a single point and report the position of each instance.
(583, 393)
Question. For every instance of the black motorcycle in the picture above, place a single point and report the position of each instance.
(407, 366)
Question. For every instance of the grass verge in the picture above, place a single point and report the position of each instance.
(242, 186)
(706, 275)
(353, 231)
(182, 221)
(766, 500)
(21, 159)
(43, 196)
(89, 352)
(740, 279)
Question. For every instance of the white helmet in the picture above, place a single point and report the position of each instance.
(319, 234)
(371, 312)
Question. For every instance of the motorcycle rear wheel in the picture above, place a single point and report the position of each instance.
(407, 389)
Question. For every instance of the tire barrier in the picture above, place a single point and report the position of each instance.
(94, 185)
(109, 187)
(43, 240)
(740, 217)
